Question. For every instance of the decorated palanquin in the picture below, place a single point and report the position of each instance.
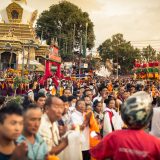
(52, 65)
(146, 70)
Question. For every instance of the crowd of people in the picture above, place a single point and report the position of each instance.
(9, 85)
(89, 120)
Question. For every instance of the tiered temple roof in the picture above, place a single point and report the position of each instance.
(42, 51)
(21, 31)
(17, 33)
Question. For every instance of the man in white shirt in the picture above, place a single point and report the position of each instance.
(83, 124)
(112, 120)
(48, 128)
(102, 96)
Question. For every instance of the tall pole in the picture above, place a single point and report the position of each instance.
(30, 44)
(59, 40)
(86, 40)
(74, 32)
(22, 61)
(28, 58)
(66, 47)
(117, 65)
(80, 57)
(10, 60)
(42, 36)
(79, 67)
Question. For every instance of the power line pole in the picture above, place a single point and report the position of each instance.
(117, 65)
(22, 61)
(74, 32)
(85, 41)
(80, 57)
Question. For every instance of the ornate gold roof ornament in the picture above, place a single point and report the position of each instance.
(9, 37)
(14, 12)
(33, 17)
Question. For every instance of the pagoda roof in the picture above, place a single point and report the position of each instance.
(20, 31)
(9, 37)
(42, 51)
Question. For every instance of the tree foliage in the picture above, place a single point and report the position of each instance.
(119, 50)
(68, 23)
(149, 53)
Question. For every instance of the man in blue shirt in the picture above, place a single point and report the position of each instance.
(37, 148)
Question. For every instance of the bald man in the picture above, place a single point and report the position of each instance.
(48, 127)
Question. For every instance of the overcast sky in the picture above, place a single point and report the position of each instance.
(137, 20)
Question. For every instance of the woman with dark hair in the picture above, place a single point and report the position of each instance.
(97, 110)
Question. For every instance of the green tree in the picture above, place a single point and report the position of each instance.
(158, 56)
(68, 23)
(149, 53)
(120, 51)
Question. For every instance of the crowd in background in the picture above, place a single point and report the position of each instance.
(77, 117)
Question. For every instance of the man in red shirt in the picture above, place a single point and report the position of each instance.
(133, 143)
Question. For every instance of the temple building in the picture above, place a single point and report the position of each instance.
(19, 46)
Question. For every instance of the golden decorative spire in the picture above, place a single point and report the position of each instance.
(24, 1)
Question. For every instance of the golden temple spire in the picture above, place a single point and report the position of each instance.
(24, 1)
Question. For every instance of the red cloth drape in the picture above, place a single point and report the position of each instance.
(48, 72)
